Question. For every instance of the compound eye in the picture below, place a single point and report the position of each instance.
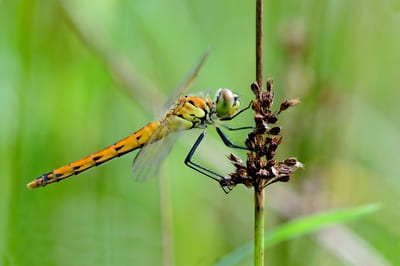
(225, 101)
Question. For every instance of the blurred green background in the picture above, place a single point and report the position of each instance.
(76, 76)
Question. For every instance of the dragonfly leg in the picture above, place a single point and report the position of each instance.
(238, 113)
(227, 141)
(237, 128)
(235, 115)
(222, 180)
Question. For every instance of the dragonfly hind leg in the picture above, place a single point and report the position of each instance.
(222, 180)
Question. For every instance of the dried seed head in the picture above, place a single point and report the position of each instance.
(236, 161)
(294, 101)
(275, 130)
(274, 171)
(251, 167)
(288, 103)
(284, 178)
(273, 146)
(263, 174)
(270, 83)
(258, 118)
(256, 106)
(263, 163)
(251, 137)
(255, 88)
(299, 165)
(290, 161)
(233, 157)
(270, 155)
(260, 168)
(273, 119)
(284, 170)
(265, 102)
(239, 175)
(284, 105)
(261, 125)
(249, 144)
(261, 128)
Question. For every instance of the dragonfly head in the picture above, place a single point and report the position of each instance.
(226, 103)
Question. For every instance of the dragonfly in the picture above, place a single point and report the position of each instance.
(186, 112)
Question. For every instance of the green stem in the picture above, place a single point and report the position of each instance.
(259, 227)
(259, 43)
(258, 190)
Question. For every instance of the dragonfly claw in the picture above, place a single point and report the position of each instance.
(226, 185)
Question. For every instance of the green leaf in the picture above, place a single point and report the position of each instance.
(300, 226)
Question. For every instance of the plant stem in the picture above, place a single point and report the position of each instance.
(259, 43)
(259, 190)
(259, 227)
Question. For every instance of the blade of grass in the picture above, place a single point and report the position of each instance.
(298, 227)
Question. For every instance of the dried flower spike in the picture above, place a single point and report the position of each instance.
(261, 169)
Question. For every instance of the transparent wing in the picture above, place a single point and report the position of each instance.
(147, 162)
(183, 88)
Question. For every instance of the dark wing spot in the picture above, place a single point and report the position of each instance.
(138, 137)
(76, 167)
(191, 102)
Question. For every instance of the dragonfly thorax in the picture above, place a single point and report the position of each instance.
(192, 112)
(226, 103)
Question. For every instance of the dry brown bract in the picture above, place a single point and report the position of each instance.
(261, 169)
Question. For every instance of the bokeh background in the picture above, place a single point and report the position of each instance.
(76, 76)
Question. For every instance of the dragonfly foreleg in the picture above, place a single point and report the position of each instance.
(222, 180)
(227, 141)
(232, 117)
(237, 128)
(238, 113)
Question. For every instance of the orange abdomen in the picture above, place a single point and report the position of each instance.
(128, 144)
